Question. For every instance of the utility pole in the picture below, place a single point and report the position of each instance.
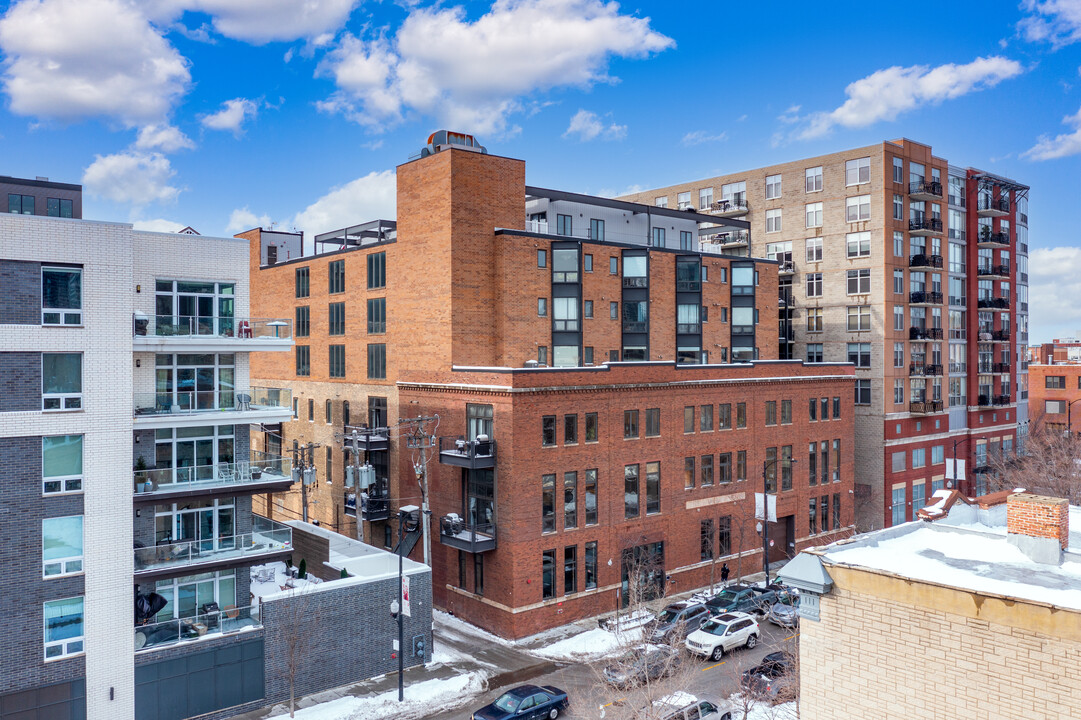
(351, 443)
(420, 439)
(304, 472)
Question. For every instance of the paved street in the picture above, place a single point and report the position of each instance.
(716, 679)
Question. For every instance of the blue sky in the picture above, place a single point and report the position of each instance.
(226, 114)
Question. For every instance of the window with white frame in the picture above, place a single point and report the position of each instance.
(773, 187)
(734, 192)
(898, 354)
(773, 220)
(61, 296)
(661, 201)
(705, 198)
(62, 546)
(185, 596)
(61, 464)
(814, 355)
(858, 244)
(898, 170)
(63, 627)
(956, 230)
(858, 208)
(859, 354)
(859, 281)
(863, 391)
(814, 249)
(61, 381)
(779, 251)
(898, 244)
(898, 318)
(814, 215)
(859, 317)
(814, 320)
(208, 525)
(813, 179)
(683, 200)
(565, 314)
(898, 391)
(814, 284)
(898, 282)
(858, 171)
(898, 207)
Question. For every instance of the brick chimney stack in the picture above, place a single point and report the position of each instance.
(1039, 526)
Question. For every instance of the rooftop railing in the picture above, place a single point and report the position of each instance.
(205, 624)
(211, 327)
(208, 401)
(266, 537)
(262, 467)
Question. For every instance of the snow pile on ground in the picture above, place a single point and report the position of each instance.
(422, 700)
(590, 645)
(277, 576)
(763, 711)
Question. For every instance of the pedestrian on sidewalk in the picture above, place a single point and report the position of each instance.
(724, 573)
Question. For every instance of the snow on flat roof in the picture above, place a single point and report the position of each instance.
(981, 561)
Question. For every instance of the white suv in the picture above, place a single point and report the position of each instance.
(723, 633)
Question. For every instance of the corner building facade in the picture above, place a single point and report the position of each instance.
(606, 384)
(913, 269)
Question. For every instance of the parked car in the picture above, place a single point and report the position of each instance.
(645, 662)
(676, 621)
(746, 598)
(684, 706)
(785, 612)
(769, 678)
(723, 633)
(525, 702)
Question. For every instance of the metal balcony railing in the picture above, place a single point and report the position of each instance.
(195, 627)
(918, 333)
(267, 538)
(688, 286)
(736, 237)
(993, 303)
(924, 369)
(208, 401)
(920, 260)
(374, 509)
(475, 454)
(1000, 336)
(1001, 400)
(688, 328)
(994, 238)
(786, 267)
(998, 205)
(634, 326)
(457, 532)
(211, 327)
(929, 188)
(734, 206)
(261, 468)
(635, 282)
(925, 406)
(921, 225)
(1000, 367)
(925, 297)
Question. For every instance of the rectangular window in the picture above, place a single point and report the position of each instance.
(591, 496)
(938, 454)
(898, 210)
(919, 458)
(859, 317)
(630, 492)
(863, 392)
(773, 187)
(812, 457)
(786, 412)
(724, 416)
(328, 416)
(836, 408)
(688, 419)
(859, 281)
(899, 282)
(304, 361)
(596, 232)
(62, 546)
(337, 361)
(548, 503)
(688, 473)
(814, 353)
(658, 237)
(377, 270)
(705, 198)
(812, 409)
(1055, 382)
(686, 240)
(570, 569)
(653, 422)
(858, 244)
(587, 259)
(724, 535)
(898, 170)
(311, 410)
(836, 511)
(63, 627)
(898, 461)
(587, 355)
(707, 470)
(377, 316)
(336, 318)
(898, 391)
(741, 415)
(705, 418)
(813, 215)
(812, 516)
(542, 307)
(825, 408)
(377, 361)
(653, 488)
(812, 179)
(858, 171)
(61, 464)
(302, 285)
(630, 424)
(591, 565)
(814, 285)
(548, 574)
(683, 200)
(570, 500)
(898, 318)
(814, 319)
(773, 220)
(61, 296)
(897, 513)
(542, 258)
(60, 207)
(858, 208)
(336, 277)
(587, 308)
(859, 354)
(613, 265)
(613, 310)
(302, 327)
(724, 467)
(771, 470)
(836, 460)
(548, 431)
(21, 204)
(771, 412)
(565, 314)
(564, 225)
(570, 429)
(706, 540)
(565, 265)
(814, 249)
(592, 430)
(61, 381)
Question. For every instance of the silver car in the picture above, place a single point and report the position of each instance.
(785, 612)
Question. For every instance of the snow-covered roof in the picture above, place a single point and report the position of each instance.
(968, 550)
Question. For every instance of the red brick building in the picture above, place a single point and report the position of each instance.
(1054, 389)
(605, 387)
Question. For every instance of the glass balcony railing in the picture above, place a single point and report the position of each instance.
(228, 620)
(267, 537)
(195, 401)
(263, 467)
(211, 327)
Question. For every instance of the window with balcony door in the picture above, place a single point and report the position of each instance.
(194, 308)
(193, 381)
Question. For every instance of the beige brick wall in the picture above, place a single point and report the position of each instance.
(888, 648)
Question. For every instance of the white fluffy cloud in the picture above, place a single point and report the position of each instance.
(471, 75)
(702, 136)
(1054, 285)
(244, 219)
(370, 197)
(166, 138)
(588, 126)
(232, 115)
(158, 225)
(885, 94)
(260, 21)
(1055, 21)
(1060, 146)
(131, 177)
(70, 59)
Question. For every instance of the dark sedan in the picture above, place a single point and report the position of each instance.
(525, 702)
(770, 678)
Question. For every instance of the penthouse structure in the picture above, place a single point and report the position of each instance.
(606, 384)
(916, 271)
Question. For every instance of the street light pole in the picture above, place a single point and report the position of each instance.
(765, 512)
(401, 613)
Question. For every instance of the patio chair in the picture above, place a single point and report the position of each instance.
(243, 401)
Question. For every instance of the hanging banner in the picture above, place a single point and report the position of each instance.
(771, 502)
